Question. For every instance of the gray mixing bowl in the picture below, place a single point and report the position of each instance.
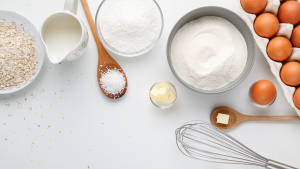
(236, 21)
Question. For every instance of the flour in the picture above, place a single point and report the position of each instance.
(208, 53)
(129, 25)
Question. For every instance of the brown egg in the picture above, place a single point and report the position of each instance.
(266, 25)
(279, 49)
(295, 38)
(289, 12)
(296, 98)
(263, 92)
(290, 73)
(253, 6)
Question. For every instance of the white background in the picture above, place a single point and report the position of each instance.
(73, 125)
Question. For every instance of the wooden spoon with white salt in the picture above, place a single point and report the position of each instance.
(106, 64)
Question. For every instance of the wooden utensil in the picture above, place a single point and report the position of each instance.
(237, 118)
(105, 61)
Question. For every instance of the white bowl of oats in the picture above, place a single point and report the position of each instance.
(21, 52)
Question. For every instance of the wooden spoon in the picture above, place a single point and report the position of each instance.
(105, 61)
(237, 118)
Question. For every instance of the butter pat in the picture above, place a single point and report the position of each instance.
(153, 94)
(171, 97)
(164, 85)
(223, 118)
(163, 94)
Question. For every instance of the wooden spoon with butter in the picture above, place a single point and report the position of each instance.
(105, 61)
(237, 118)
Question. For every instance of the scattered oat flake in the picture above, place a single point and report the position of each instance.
(30, 108)
(61, 90)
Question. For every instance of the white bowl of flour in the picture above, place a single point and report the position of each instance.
(211, 50)
(129, 27)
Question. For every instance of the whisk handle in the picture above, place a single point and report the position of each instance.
(277, 165)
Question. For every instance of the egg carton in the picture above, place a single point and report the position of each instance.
(285, 30)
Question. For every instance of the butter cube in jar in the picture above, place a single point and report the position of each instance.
(163, 94)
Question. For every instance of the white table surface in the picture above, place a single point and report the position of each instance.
(72, 125)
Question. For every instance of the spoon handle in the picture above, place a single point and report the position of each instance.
(272, 118)
(101, 50)
(91, 21)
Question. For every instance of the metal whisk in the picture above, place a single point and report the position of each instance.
(203, 141)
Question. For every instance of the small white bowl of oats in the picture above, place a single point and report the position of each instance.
(21, 52)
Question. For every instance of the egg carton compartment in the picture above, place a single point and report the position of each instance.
(285, 30)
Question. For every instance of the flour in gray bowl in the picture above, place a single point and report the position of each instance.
(208, 53)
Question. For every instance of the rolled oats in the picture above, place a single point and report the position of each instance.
(18, 55)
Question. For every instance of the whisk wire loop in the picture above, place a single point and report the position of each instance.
(229, 150)
(251, 159)
(227, 144)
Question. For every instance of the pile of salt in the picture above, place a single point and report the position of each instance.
(113, 81)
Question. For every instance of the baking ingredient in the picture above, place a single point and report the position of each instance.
(153, 94)
(129, 25)
(296, 98)
(163, 93)
(18, 55)
(295, 38)
(62, 36)
(253, 6)
(263, 92)
(289, 73)
(279, 49)
(164, 85)
(171, 97)
(112, 81)
(289, 12)
(208, 53)
(266, 25)
(223, 118)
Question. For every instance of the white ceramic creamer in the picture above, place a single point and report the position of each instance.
(64, 35)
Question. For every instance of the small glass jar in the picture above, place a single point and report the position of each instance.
(258, 105)
(160, 104)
